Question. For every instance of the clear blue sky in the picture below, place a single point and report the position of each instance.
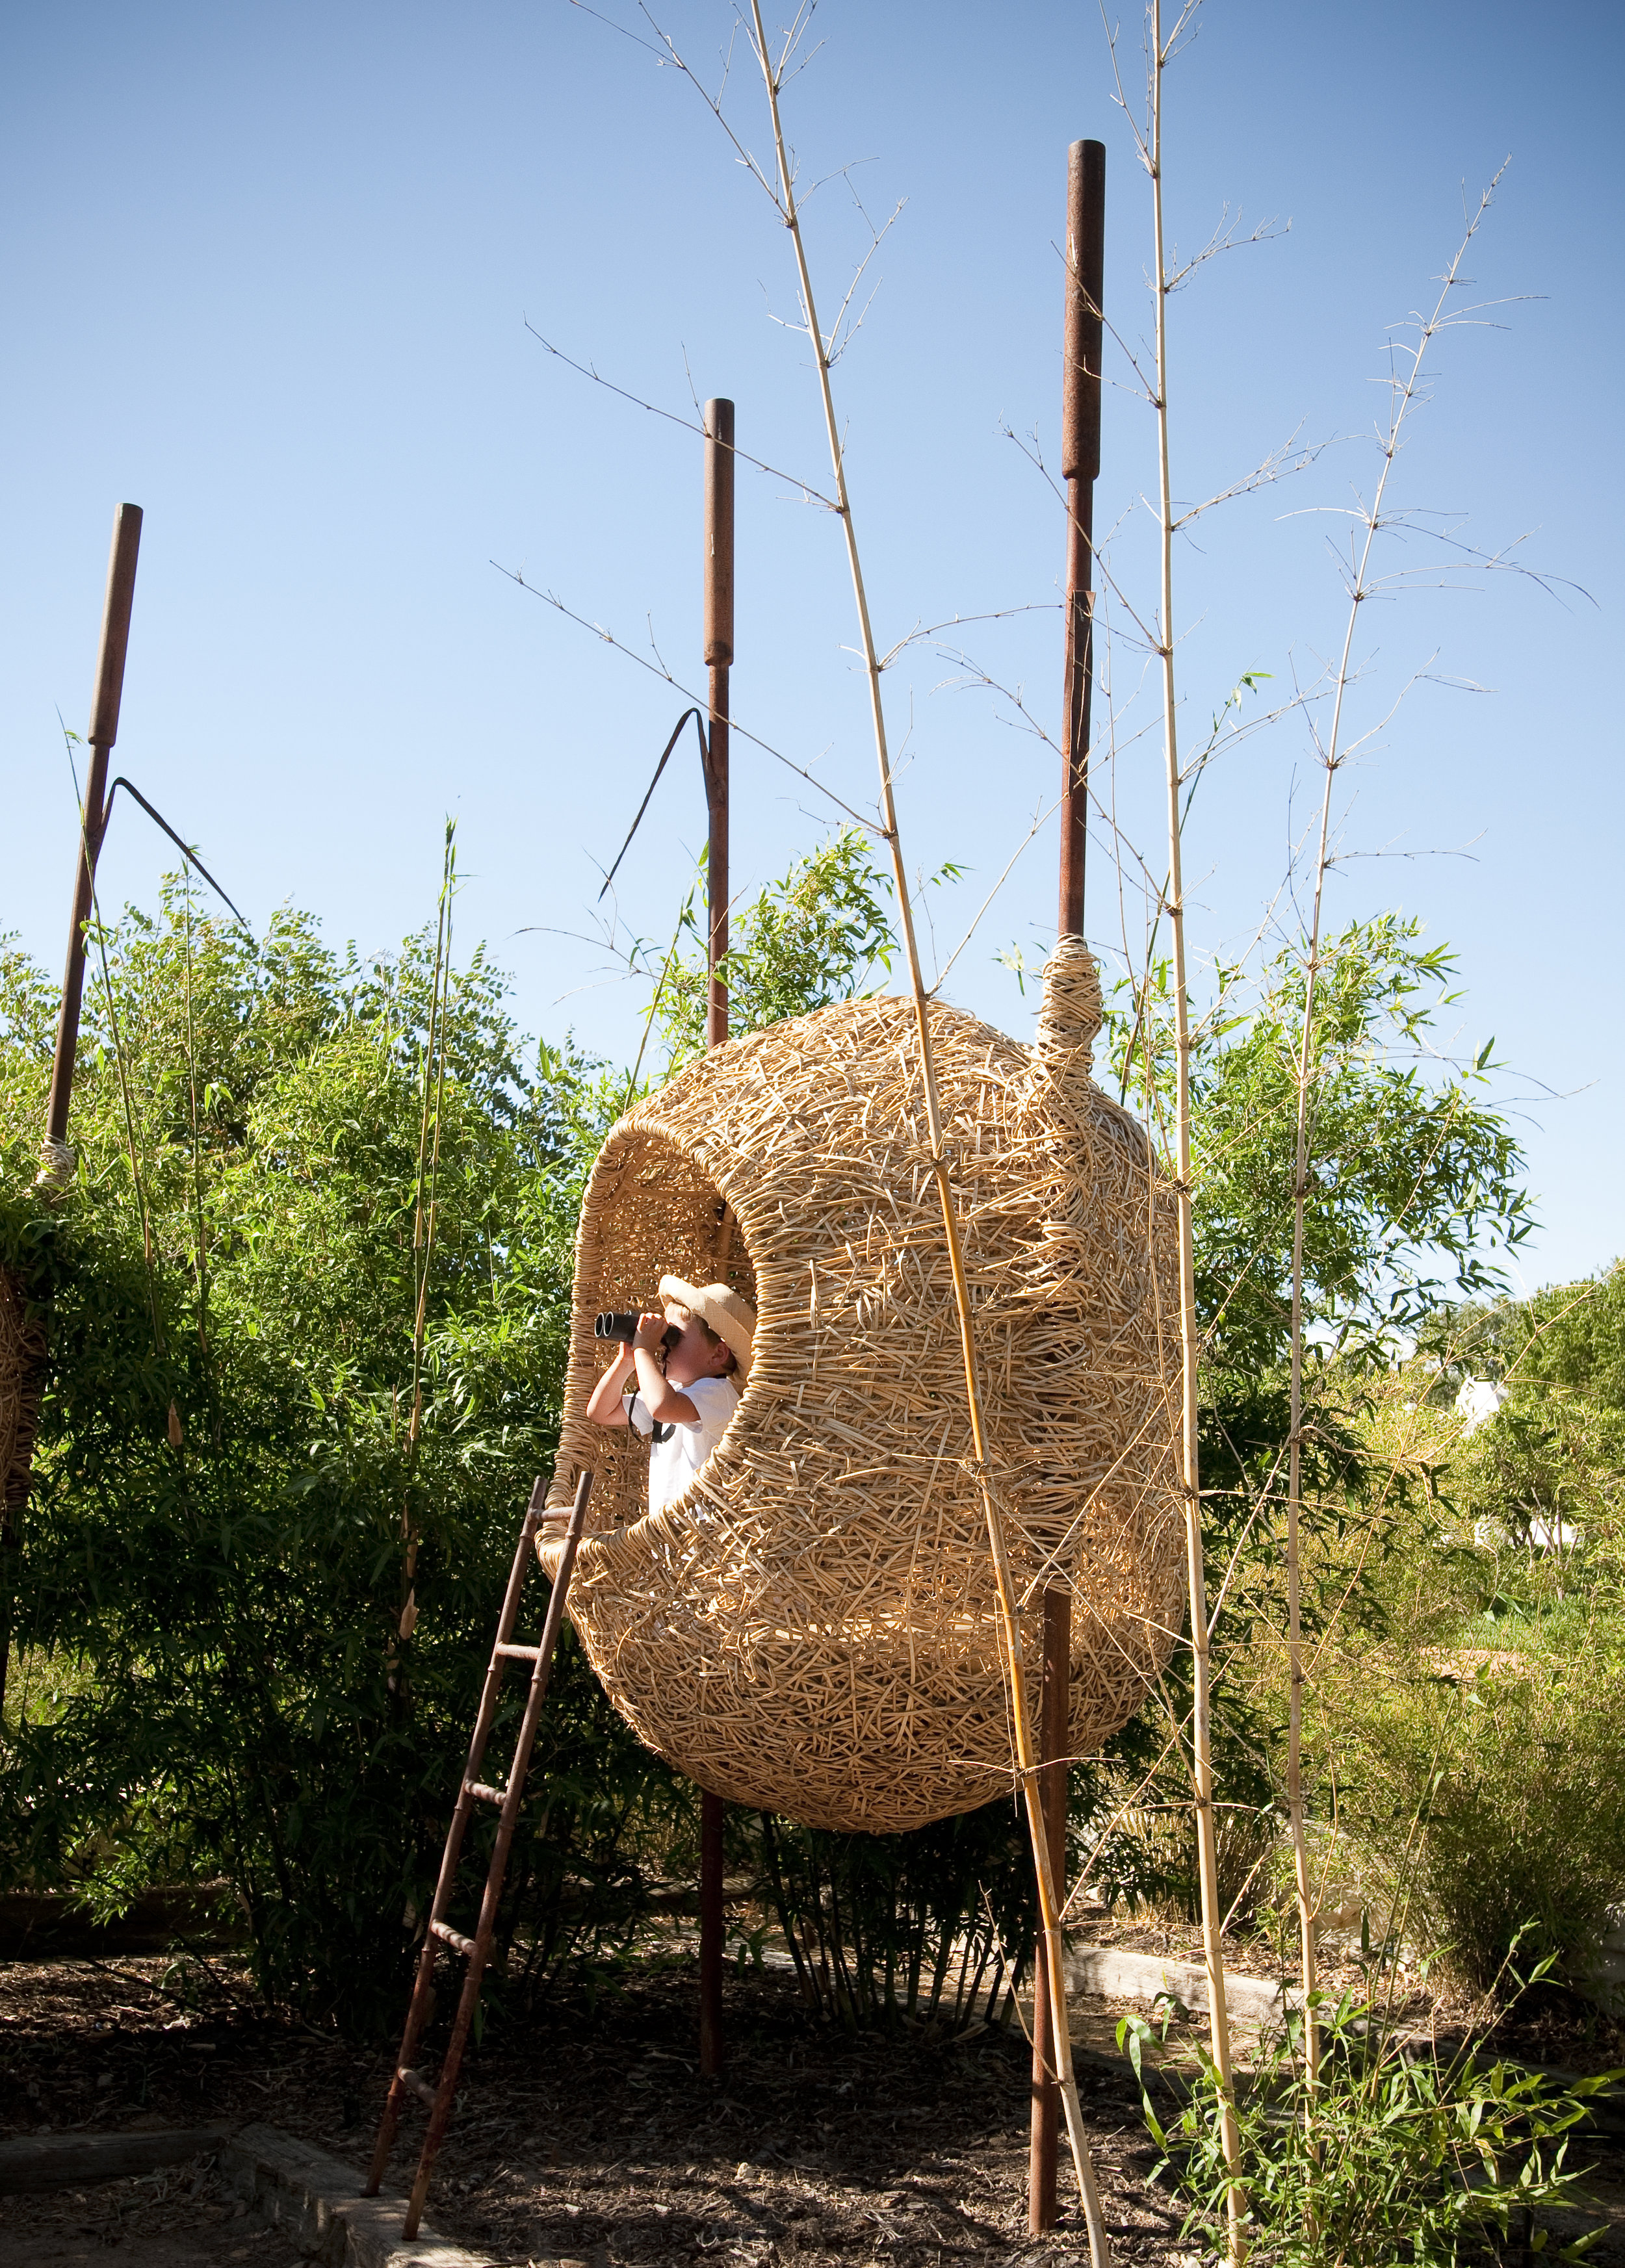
(267, 275)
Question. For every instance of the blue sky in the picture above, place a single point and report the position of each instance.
(269, 273)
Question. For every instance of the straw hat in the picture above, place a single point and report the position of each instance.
(733, 1319)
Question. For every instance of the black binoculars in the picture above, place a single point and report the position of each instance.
(614, 1325)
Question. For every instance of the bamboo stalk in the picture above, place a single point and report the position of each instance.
(1201, 1743)
(1331, 759)
(1026, 1757)
(426, 1213)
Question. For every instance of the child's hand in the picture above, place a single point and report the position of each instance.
(651, 1332)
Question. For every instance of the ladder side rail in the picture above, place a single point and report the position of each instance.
(417, 2009)
(474, 1977)
(495, 1670)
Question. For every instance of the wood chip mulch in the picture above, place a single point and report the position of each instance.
(587, 2132)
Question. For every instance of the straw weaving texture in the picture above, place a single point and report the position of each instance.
(813, 1627)
(22, 1366)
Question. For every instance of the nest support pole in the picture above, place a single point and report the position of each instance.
(718, 627)
(22, 1340)
(1086, 201)
(1053, 1711)
(104, 731)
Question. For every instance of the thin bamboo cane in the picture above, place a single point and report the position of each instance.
(1027, 1759)
(426, 1211)
(197, 1180)
(1331, 760)
(1201, 1743)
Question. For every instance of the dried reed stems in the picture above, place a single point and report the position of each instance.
(1201, 1745)
(1026, 1755)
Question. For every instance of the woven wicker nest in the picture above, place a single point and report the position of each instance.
(812, 1627)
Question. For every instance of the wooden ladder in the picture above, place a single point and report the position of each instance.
(439, 1936)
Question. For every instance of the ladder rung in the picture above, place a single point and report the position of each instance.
(477, 1787)
(415, 2083)
(449, 1936)
(519, 1652)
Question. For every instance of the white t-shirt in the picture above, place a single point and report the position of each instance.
(679, 1451)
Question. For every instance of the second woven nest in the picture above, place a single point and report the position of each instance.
(812, 1628)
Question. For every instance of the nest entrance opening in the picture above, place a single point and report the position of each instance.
(658, 1213)
(664, 1217)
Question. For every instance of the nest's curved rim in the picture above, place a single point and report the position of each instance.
(673, 1525)
(697, 1565)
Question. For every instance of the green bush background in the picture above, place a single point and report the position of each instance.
(209, 1681)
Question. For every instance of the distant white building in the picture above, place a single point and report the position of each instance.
(1478, 1402)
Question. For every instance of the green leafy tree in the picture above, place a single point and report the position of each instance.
(1416, 1188)
(819, 935)
(1415, 1176)
(217, 1676)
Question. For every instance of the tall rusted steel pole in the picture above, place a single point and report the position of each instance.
(104, 731)
(719, 660)
(718, 627)
(56, 1168)
(1079, 464)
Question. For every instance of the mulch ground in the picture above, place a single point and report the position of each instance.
(181, 2217)
(588, 2132)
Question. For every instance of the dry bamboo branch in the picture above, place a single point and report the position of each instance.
(1332, 757)
(1201, 1746)
(1027, 1761)
(425, 1211)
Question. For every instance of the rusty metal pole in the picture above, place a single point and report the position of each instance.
(1053, 1712)
(56, 1164)
(710, 1933)
(1080, 463)
(719, 659)
(718, 627)
(104, 731)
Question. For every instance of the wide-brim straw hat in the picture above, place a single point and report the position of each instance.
(732, 1318)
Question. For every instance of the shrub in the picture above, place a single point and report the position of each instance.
(1394, 2154)
(1489, 1793)
(255, 1598)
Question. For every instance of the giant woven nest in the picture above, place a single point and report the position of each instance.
(812, 1627)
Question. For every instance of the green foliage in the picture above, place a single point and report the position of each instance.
(936, 1926)
(1414, 1182)
(213, 1680)
(1487, 1794)
(1397, 2154)
(819, 935)
(1548, 1468)
(1414, 1174)
(1570, 1337)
